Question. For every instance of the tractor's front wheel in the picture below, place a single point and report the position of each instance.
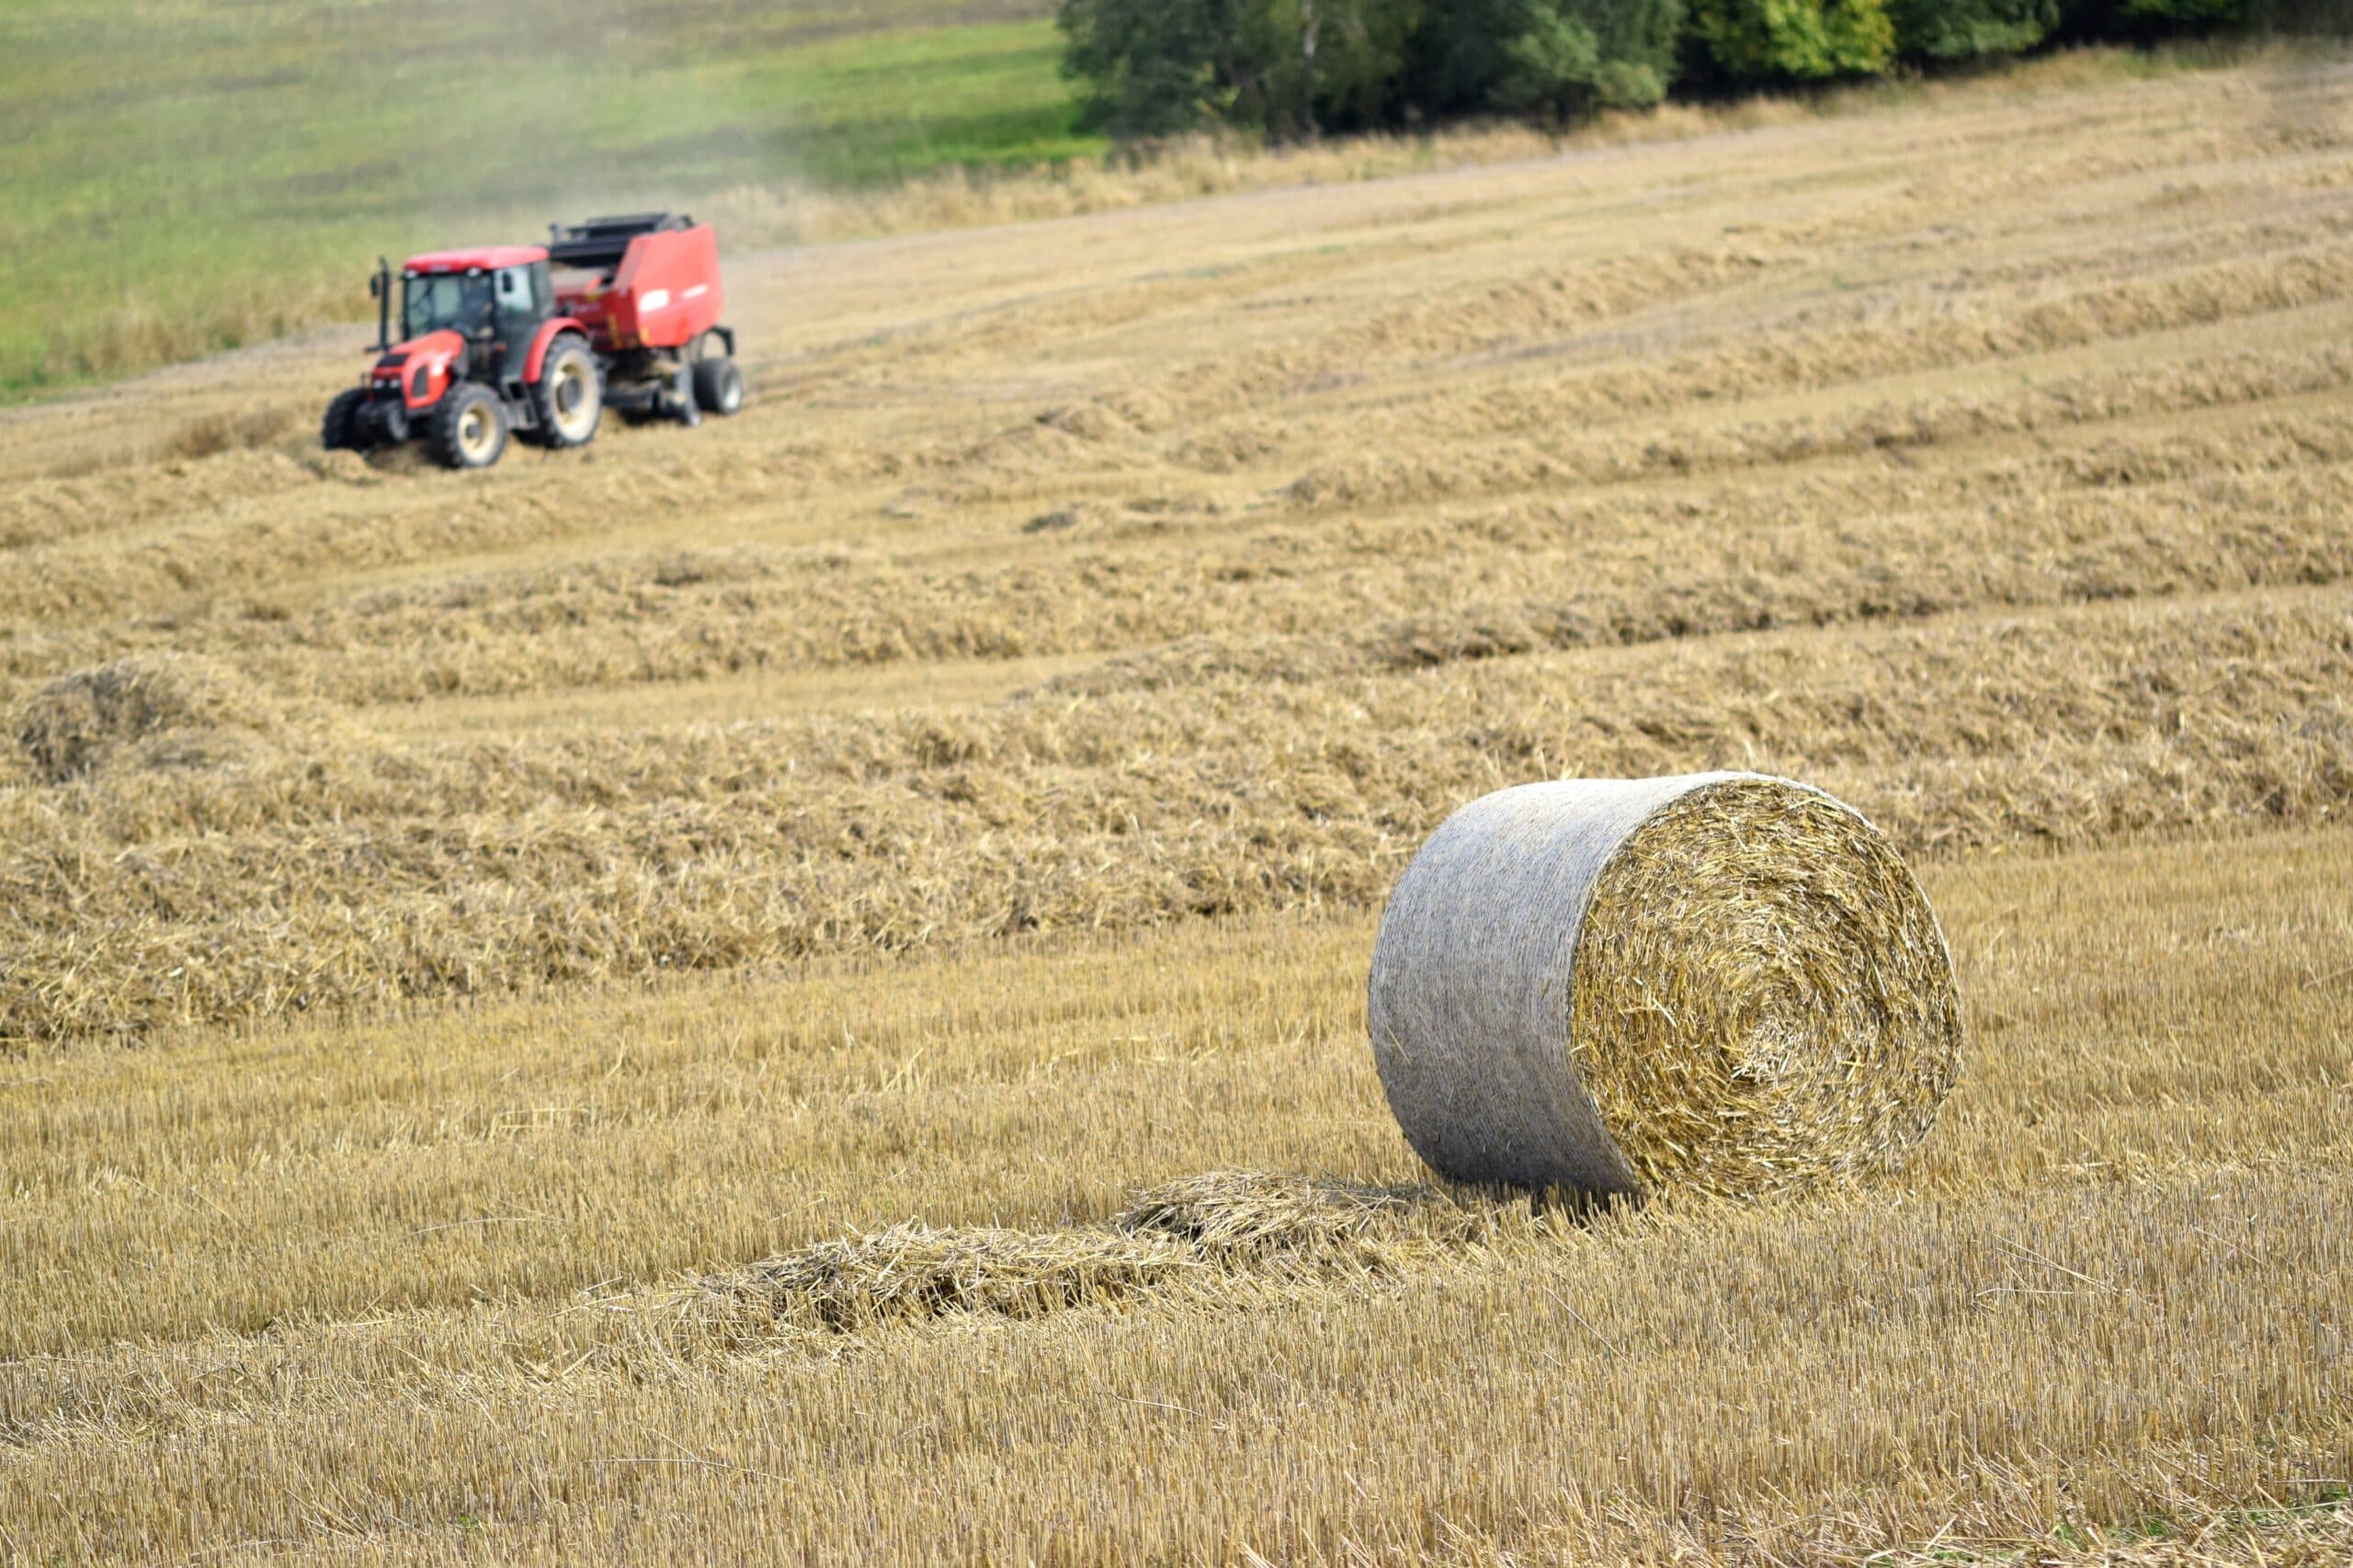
(470, 427)
(570, 396)
(339, 431)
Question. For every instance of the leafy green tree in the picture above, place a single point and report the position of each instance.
(1349, 60)
(1549, 63)
(1557, 58)
(1288, 67)
(1807, 39)
(2202, 11)
(1150, 67)
(1970, 29)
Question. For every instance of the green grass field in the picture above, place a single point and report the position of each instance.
(178, 177)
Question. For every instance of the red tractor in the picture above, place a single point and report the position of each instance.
(536, 341)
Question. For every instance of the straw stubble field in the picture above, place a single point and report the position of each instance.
(1020, 713)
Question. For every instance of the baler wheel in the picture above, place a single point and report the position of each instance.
(470, 427)
(339, 431)
(719, 386)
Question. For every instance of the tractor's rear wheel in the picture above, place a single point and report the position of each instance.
(339, 431)
(470, 427)
(570, 395)
(719, 386)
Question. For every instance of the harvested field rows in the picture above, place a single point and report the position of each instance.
(251, 864)
(395, 1276)
(507, 983)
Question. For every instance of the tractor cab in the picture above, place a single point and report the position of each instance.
(496, 300)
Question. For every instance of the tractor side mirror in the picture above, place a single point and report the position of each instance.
(380, 289)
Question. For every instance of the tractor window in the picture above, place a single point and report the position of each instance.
(517, 305)
(432, 301)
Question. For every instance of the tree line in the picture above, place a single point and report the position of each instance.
(1292, 69)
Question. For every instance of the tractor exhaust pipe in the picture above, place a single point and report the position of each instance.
(381, 287)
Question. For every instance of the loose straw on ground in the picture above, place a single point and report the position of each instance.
(1201, 1239)
(1719, 982)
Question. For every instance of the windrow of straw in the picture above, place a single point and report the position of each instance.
(1720, 983)
(151, 710)
(343, 874)
(1199, 1240)
(2137, 516)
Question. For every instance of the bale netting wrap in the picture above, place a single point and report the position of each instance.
(1720, 983)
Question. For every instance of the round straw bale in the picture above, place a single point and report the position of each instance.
(1720, 983)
